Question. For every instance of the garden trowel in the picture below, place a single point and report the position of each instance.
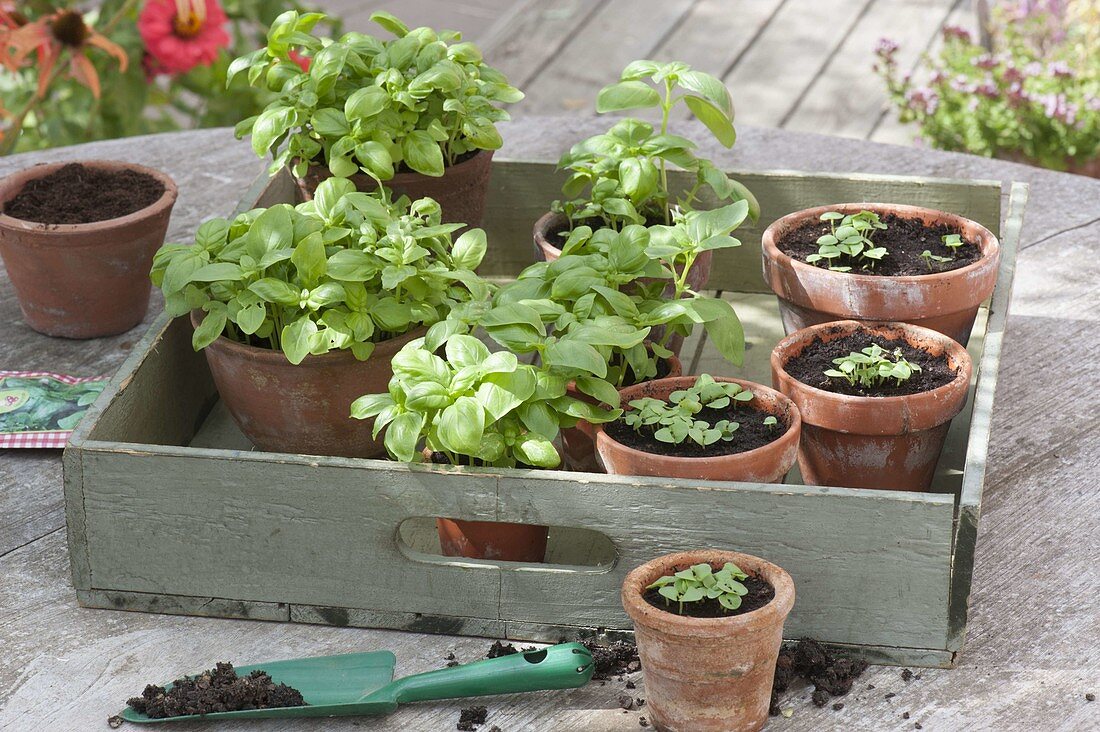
(360, 684)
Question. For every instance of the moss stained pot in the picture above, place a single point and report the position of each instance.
(886, 442)
(708, 674)
(303, 409)
(769, 463)
(944, 301)
(577, 444)
(83, 280)
(460, 191)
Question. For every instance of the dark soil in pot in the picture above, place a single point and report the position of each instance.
(218, 690)
(760, 594)
(810, 365)
(904, 239)
(751, 434)
(76, 194)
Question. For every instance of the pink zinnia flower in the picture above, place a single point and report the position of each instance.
(183, 34)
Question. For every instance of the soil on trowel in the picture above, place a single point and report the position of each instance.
(217, 690)
(75, 194)
(832, 675)
(760, 593)
(614, 660)
(500, 648)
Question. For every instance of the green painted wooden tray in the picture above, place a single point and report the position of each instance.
(158, 480)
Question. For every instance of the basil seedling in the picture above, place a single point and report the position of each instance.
(700, 582)
(676, 420)
(849, 239)
(872, 367)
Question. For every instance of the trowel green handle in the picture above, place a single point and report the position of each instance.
(563, 666)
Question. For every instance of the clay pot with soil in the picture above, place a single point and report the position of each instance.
(941, 290)
(759, 449)
(708, 668)
(303, 408)
(460, 192)
(577, 444)
(77, 240)
(881, 433)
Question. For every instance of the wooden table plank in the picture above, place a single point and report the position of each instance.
(846, 97)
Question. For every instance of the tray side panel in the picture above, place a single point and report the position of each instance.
(871, 567)
(521, 191)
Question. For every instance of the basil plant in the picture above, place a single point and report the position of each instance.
(344, 271)
(472, 406)
(422, 100)
(623, 295)
(621, 177)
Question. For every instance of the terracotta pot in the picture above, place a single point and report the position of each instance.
(492, 540)
(460, 191)
(767, 464)
(891, 442)
(545, 251)
(579, 449)
(943, 301)
(83, 280)
(303, 409)
(708, 674)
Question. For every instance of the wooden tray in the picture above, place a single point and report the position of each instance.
(171, 510)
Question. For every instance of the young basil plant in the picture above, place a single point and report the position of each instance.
(421, 100)
(676, 420)
(473, 406)
(850, 240)
(344, 271)
(700, 582)
(952, 242)
(872, 367)
(621, 177)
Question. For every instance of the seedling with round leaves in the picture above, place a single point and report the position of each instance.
(873, 367)
(849, 240)
(422, 100)
(700, 582)
(952, 242)
(676, 420)
(343, 271)
(621, 177)
(475, 407)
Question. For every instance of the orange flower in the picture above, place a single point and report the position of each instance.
(50, 37)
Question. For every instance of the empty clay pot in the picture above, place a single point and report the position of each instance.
(580, 451)
(303, 409)
(944, 301)
(766, 464)
(460, 191)
(708, 674)
(891, 442)
(549, 224)
(83, 280)
(492, 540)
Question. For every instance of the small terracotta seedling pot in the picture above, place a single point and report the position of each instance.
(766, 464)
(580, 451)
(708, 674)
(943, 301)
(890, 442)
(303, 409)
(83, 280)
(460, 192)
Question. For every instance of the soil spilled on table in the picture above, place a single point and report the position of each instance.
(217, 690)
(809, 366)
(613, 660)
(760, 593)
(75, 194)
(470, 718)
(832, 675)
(750, 434)
(904, 239)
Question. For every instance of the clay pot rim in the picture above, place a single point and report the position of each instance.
(641, 612)
(57, 232)
(273, 357)
(956, 352)
(794, 428)
(988, 243)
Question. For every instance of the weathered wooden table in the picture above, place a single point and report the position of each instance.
(1033, 648)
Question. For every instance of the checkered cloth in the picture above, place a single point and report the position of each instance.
(48, 439)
